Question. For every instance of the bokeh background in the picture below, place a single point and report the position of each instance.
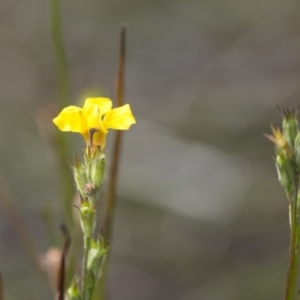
(200, 213)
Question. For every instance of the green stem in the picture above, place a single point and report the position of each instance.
(88, 221)
(62, 145)
(63, 100)
(87, 286)
(294, 245)
(61, 61)
(293, 261)
(65, 178)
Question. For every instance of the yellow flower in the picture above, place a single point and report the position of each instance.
(94, 120)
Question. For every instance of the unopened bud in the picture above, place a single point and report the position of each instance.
(96, 258)
(94, 164)
(80, 176)
(290, 126)
(87, 218)
(97, 170)
(297, 151)
(89, 175)
(286, 173)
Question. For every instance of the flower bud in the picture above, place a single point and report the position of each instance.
(97, 170)
(290, 126)
(94, 162)
(87, 214)
(96, 258)
(286, 173)
(79, 172)
(297, 151)
(89, 175)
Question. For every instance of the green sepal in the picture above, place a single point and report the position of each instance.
(290, 126)
(96, 258)
(89, 175)
(97, 170)
(297, 151)
(87, 218)
(286, 173)
(79, 172)
(95, 264)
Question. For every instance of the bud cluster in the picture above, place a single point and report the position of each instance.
(287, 149)
(88, 176)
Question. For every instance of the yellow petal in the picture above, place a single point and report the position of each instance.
(103, 105)
(99, 138)
(120, 118)
(71, 119)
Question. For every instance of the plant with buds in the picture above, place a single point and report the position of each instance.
(287, 160)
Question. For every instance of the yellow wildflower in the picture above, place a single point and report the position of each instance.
(94, 120)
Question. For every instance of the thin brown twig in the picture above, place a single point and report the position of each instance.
(62, 266)
(110, 197)
(110, 200)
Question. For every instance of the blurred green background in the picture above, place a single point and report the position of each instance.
(200, 213)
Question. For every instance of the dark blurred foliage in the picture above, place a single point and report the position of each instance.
(200, 213)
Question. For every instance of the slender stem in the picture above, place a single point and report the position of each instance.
(86, 280)
(62, 145)
(293, 259)
(61, 61)
(294, 244)
(65, 178)
(110, 199)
